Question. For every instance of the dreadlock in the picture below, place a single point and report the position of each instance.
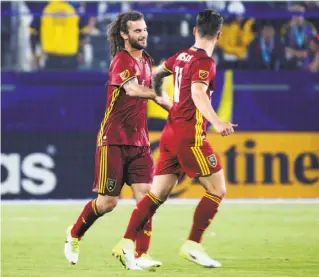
(120, 25)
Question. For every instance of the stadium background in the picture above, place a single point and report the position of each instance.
(51, 108)
(50, 116)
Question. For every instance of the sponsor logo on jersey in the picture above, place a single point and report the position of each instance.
(125, 74)
(203, 74)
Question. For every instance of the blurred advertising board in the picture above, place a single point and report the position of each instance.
(257, 165)
(260, 165)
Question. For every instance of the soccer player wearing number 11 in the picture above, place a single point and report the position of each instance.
(183, 144)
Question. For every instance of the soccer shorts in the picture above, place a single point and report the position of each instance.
(116, 165)
(179, 158)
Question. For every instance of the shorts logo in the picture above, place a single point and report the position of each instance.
(212, 160)
(110, 184)
(125, 74)
(203, 74)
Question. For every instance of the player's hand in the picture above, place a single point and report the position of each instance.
(161, 100)
(164, 101)
(225, 128)
(131, 93)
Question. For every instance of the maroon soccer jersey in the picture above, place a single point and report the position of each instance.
(189, 66)
(183, 146)
(125, 121)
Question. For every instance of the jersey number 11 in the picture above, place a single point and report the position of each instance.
(178, 79)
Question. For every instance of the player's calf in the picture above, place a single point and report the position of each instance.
(144, 210)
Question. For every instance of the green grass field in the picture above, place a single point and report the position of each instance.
(249, 240)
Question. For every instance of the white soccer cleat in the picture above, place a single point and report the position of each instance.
(71, 247)
(194, 252)
(124, 252)
(146, 262)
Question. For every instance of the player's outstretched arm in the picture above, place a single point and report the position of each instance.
(162, 98)
(203, 104)
(157, 79)
(132, 88)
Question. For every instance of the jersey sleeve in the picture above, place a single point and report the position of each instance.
(203, 71)
(122, 70)
(168, 64)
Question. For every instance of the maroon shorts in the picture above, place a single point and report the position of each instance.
(178, 157)
(119, 164)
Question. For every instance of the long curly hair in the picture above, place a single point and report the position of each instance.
(117, 26)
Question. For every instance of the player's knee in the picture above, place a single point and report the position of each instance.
(217, 190)
(106, 204)
(140, 195)
(222, 191)
(140, 190)
(160, 194)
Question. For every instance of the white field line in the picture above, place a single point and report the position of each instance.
(169, 202)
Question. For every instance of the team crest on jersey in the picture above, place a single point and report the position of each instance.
(125, 74)
(203, 74)
(110, 184)
(212, 160)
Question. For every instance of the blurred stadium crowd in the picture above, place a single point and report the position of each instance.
(72, 35)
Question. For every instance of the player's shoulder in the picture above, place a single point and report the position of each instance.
(202, 59)
(120, 59)
(122, 55)
(188, 51)
(176, 55)
(192, 54)
(200, 54)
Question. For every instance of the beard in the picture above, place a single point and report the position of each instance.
(135, 44)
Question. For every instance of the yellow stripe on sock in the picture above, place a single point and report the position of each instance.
(212, 196)
(148, 233)
(153, 199)
(159, 200)
(212, 199)
(94, 207)
(216, 200)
